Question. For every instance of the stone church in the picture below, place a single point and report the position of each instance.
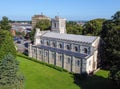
(75, 53)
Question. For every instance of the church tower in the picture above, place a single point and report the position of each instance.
(37, 37)
(58, 25)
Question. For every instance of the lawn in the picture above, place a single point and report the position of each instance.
(38, 76)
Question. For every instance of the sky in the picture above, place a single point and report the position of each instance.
(69, 9)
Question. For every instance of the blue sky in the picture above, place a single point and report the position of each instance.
(70, 9)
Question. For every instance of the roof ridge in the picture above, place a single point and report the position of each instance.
(80, 38)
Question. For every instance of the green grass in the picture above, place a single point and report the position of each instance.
(38, 76)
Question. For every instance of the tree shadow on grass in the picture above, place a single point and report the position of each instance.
(92, 82)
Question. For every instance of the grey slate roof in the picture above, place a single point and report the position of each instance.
(72, 37)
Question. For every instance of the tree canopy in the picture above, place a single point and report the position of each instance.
(6, 44)
(116, 16)
(43, 25)
(73, 28)
(93, 27)
(9, 78)
(111, 35)
(4, 24)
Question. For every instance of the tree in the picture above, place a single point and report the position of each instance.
(73, 28)
(31, 35)
(111, 36)
(93, 27)
(115, 75)
(6, 44)
(116, 16)
(43, 24)
(9, 78)
(4, 24)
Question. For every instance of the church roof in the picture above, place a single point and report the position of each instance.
(72, 37)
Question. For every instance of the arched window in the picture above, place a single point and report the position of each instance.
(55, 25)
(47, 43)
(41, 41)
(76, 48)
(68, 47)
(68, 60)
(85, 50)
(78, 62)
(60, 45)
(53, 44)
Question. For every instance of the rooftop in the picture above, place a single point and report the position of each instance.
(40, 16)
(72, 37)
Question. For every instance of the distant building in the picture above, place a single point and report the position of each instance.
(21, 27)
(36, 18)
(75, 53)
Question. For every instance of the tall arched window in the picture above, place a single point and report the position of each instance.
(60, 45)
(78, 62)
(68, 47)
(47, 42)
(41, 41)
(55, 25)
(53, 44)
(68, 60)
(76, 48)
(85, 50)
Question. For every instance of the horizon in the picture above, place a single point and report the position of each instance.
(73, 10)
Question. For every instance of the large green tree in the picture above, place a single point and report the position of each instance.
(116, 16)
(9, 78)
(6, 44)
(43, 24)
(4, 23)
(31, 35)
(111, 36)
(93, 27)
(73, 28)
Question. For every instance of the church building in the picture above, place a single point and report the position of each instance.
(75, 53)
